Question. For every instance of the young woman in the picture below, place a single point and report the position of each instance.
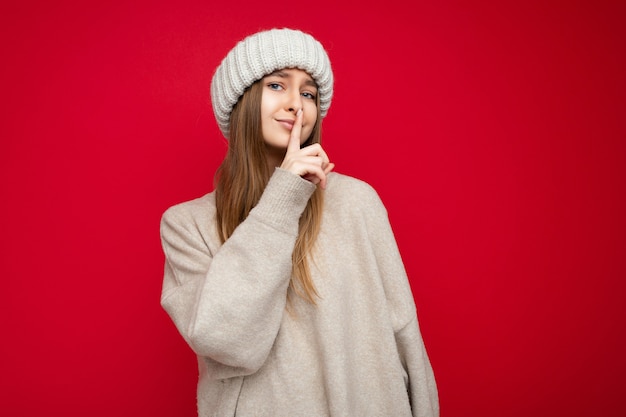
(286, 280)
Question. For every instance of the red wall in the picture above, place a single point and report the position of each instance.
(495, 134)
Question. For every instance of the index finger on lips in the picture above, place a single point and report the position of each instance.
(296, 130)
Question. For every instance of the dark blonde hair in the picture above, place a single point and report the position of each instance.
(242, 177)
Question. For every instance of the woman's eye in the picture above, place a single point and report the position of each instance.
(308, 95)
(274, 86)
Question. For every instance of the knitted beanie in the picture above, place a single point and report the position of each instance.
(261, 54)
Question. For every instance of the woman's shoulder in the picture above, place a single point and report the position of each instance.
(351, 190)
(340, 181)
(198, 210)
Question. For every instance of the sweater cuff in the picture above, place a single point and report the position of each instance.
(283, 201)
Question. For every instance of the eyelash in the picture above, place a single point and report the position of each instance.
(277, 86)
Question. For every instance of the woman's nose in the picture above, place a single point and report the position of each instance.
(294, 102)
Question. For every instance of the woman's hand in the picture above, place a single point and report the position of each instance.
(310, 162)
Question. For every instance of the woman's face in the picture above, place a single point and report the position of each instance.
(284, 93)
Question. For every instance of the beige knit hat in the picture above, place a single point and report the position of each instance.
(261, 54)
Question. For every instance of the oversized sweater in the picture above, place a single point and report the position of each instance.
(357, 353)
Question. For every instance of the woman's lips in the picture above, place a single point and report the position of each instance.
(286, 123)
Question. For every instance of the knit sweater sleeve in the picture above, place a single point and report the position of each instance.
(422, 388)
(228, 305)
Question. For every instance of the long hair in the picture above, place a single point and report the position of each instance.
(242, 177)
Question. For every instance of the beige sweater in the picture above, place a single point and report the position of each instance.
(358, 353)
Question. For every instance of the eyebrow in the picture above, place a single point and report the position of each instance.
(283, 74)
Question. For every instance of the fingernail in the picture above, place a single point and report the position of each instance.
(299, 112)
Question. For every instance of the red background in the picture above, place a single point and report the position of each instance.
(493, 131)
